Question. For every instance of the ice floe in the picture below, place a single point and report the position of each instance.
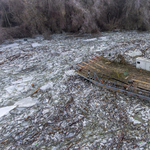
(14, 45)
(11, 89)
(70, 72)
(135, 122)
(54, 112)
(26, 102)
(47, 86)
(134, 53)
(5, 110)
(36, 45)
(88, 40)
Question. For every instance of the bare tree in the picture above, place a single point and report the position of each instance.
(137, 14)
(25, 18)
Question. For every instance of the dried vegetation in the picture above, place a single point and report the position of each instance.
(25, 18)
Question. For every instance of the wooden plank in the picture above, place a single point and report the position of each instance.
(145, 86)
(97, 64)
(141, 81)
(81, 66)
(91, 66)
(95, 58)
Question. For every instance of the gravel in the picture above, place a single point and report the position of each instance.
(45, 105)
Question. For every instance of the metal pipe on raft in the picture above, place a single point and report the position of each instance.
(126, 88)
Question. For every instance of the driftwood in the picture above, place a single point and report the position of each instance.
(69, 146)
(35, 91)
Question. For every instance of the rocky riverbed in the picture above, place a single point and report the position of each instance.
(45, 105)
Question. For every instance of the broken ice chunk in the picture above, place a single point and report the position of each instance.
(134, 121)
(47, 86)
(88, 40)
(26, 102)
(134, 53)
(5, 110)
(70, 72)
(36, 45)
(10, 89)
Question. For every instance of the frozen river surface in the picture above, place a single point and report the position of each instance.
(45, 105)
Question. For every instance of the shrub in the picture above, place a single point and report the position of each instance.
(4, 35)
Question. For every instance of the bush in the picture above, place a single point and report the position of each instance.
(4, 35)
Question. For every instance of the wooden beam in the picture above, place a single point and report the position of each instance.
(91, 66)
(81, 66)
(141, 81)
(97, 56)
(97, 64)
